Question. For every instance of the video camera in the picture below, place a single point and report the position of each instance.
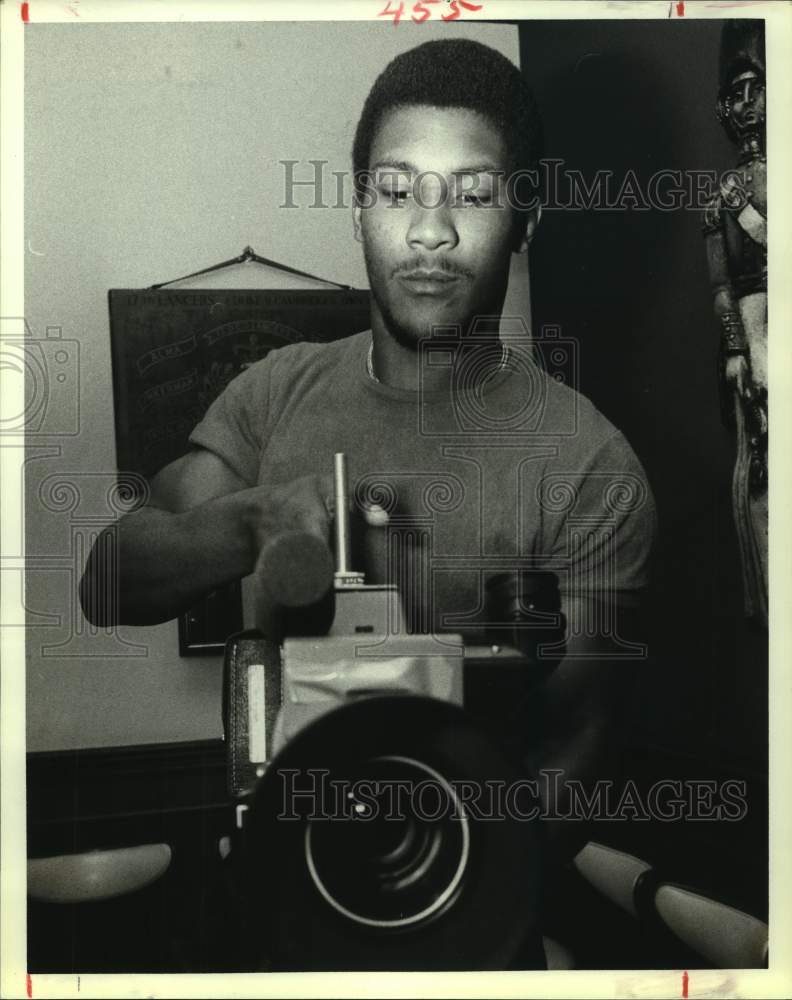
(381, 799)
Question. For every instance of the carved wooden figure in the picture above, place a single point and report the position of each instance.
(735, 231)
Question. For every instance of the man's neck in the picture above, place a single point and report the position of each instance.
(407, 367)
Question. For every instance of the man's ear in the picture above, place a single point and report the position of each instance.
(357, 227)
(525, 235)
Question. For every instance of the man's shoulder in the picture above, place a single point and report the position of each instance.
(597, 477)
(567, 412)
(305, 353)
(596, 448)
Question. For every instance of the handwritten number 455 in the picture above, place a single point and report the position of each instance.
(421, 11)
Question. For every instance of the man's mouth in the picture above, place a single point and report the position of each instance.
(423, 282)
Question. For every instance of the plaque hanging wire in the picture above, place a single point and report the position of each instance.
(249, 254)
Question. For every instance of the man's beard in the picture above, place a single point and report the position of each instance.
(405, 335)
(412, 335)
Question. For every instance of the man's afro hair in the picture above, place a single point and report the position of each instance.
(455, 73)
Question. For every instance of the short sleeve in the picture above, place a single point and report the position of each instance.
(234, 425)
(603, 523)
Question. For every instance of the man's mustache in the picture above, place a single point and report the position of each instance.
(422, 264)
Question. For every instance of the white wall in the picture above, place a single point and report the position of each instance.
(152, 150)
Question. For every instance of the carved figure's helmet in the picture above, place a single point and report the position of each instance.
(742, 51)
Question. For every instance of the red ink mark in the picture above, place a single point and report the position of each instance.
(422, 9)
(25, 18)
(29, 980)
(681, 9)
(685, 976)
(455, 5)
(395, 14)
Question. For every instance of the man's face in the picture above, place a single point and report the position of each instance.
(438, 233)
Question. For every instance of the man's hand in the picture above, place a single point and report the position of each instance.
(304, 504)
(294, 567)
(201, 528)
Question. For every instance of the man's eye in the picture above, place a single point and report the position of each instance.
(395, 195)
(475, 200)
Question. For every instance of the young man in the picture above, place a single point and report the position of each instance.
(482, 462)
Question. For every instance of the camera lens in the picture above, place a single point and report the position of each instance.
(397, 855)
(369, 845)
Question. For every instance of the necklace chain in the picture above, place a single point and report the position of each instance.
(370, 363)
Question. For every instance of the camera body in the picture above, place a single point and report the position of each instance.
(359, 878)
(353, 749)
(273, 690)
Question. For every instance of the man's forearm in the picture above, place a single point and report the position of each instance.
(584, 758)
(572, 731)
(152, 565)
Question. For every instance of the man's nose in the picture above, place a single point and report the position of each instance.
(432, 228)
(432, 225)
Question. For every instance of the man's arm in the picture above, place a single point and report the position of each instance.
(579, 713)
(200, 528)
(604, 540)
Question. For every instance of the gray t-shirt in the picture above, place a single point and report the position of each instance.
(522, 472)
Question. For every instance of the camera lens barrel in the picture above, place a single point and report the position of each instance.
(339, 872)
(401, 864)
